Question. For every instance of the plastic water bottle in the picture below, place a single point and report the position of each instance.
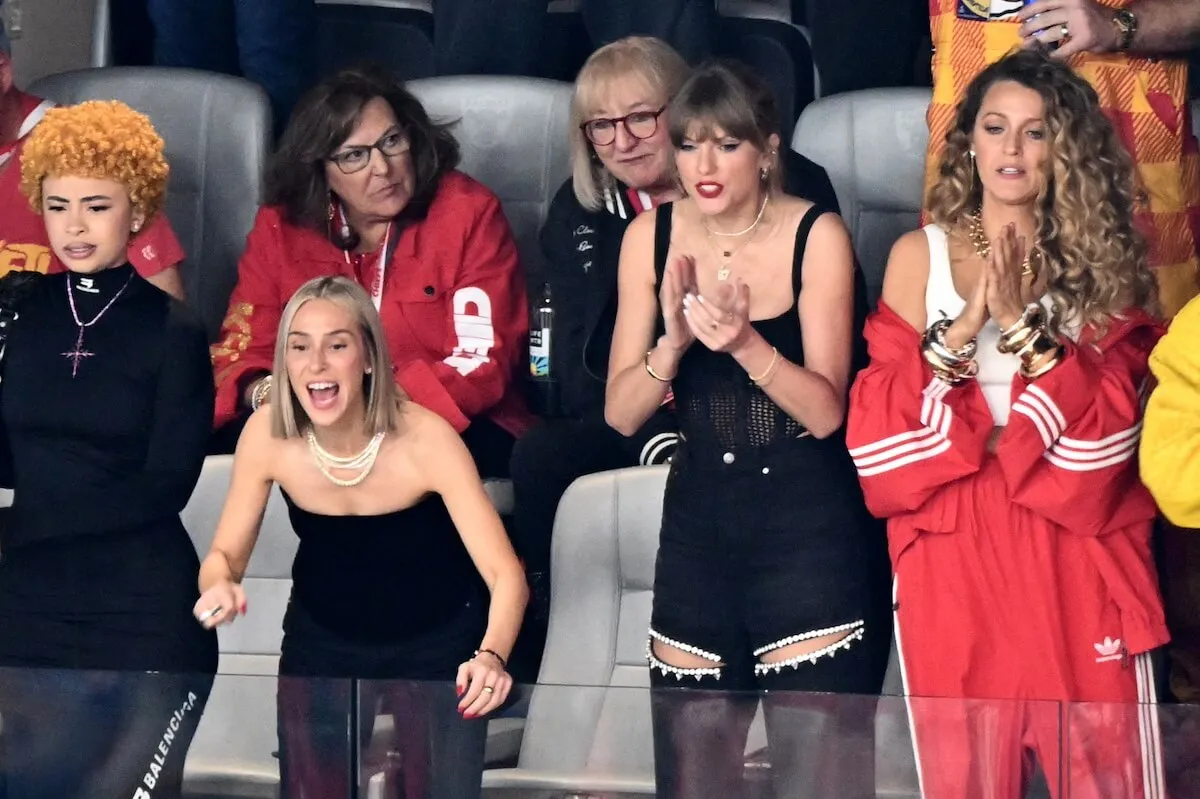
(544, 382)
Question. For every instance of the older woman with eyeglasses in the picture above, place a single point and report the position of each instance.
(364, 185)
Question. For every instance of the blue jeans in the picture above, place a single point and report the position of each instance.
(270, 42)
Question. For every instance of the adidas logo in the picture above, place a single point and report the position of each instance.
(1109, 649)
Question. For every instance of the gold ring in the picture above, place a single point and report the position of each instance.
(1064, 30)
(487, 689)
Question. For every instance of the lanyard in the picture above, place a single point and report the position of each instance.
(386, 250)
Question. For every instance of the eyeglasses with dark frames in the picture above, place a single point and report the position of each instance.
(355, 159)
(602, 131)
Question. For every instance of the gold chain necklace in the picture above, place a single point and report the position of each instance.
(726, 255)
(983, 247)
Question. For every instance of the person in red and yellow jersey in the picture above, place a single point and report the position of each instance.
(155, 252)
(1118, 46)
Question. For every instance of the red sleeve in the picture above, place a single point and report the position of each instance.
(910, 434)
(247, 339)
(156, 248)
(489, 324)
(1069, 450)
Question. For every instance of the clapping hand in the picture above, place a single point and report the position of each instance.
(721, 323)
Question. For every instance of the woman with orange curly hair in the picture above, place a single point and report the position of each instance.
(106, 403)
(996, 429)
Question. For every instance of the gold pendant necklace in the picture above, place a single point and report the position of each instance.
(726, 255)
(983, 247)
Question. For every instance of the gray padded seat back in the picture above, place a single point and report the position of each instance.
(872, 143)
(217, 131)
(513, 135)
(605, 542)
(233, 747)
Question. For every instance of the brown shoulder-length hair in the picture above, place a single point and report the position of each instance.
(730, 97)
(323, 120)
(1095, 258)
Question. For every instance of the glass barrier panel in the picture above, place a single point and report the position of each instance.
(1136, 750)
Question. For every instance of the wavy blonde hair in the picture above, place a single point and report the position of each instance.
(97, 139)
(1094, 257)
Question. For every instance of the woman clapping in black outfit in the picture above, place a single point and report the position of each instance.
(106, 402)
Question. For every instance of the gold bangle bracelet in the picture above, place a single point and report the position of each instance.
(766, 372)
(650, 369)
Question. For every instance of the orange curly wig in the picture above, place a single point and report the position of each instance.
(97, 139)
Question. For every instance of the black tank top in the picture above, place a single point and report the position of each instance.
(716, 404)
(381, 578)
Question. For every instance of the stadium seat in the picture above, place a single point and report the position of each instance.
(595, 739)
(397, 34)
(780, 53)
(513, 133)
(778, 10)
(872, 143)
(217, 131)
(232, 754)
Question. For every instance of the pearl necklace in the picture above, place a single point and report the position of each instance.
(362, 462)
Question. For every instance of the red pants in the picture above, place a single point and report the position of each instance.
(1020, 617)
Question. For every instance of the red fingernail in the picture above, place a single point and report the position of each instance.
(460, 690)
(245, 607)
(468, 715)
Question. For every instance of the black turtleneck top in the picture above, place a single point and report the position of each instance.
(115, 443)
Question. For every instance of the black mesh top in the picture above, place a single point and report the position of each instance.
(716, 403)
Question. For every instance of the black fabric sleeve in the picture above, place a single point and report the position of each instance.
(180, 427)
(555, 239)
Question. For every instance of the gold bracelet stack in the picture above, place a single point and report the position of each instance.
(769, 373)
(1029, 339)
(949, 365)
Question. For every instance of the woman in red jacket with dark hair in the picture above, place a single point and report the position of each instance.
(364, 185)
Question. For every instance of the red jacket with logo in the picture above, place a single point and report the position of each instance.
(1068, 453)
(453, 306)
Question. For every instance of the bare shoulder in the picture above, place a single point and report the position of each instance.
(907, 277)
(640, 232)
(431, 438)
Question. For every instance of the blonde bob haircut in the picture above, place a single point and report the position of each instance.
(288, 417)
(645, 58)
(103, 139)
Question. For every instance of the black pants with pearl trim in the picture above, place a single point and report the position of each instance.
(760, 551)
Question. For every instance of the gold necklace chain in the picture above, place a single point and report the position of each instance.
(727, 255)
(983, 247)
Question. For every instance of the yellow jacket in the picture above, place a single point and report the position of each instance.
(1170, 451)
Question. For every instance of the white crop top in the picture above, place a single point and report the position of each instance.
(996, 370)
